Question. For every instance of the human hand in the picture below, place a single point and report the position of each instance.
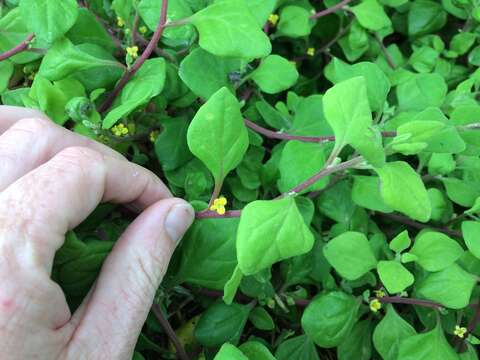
(50, 181)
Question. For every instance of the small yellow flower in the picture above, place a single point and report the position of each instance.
(219, 205)
(120, 130)
(143, 29)
(273, 19)
(153, 136)
(133, 51)
(379, 293)
(460, 331)
(311, 51)
(120, 22)
(375, 305)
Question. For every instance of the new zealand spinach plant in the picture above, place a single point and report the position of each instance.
(331, 150)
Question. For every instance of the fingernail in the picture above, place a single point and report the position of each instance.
(178, 220)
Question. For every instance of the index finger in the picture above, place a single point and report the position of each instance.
(9, 115)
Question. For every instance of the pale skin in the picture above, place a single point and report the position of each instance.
(50, 180)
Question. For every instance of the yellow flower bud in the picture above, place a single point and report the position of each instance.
(120, 22)
(311, 51)
(219, 205)
(120, 130)
(133, 51)
(143, 29)
(375, 305)
(460, 331)
(273, 19)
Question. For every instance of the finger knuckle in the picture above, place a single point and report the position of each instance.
(33, 126)
(78, 159)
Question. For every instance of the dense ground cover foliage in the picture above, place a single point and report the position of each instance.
(331, 150)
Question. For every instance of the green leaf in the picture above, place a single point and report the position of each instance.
(425, 17)
(400, 242)
(366, 193)
(435, 251)
(370, 15)
(221, 323)
(424, 59)
(217, 134)
(336, 203)
(208, 256)
(471, 236)
(123, 9)
(358, 345)
(297, 348)
(439, 136)
(462, 192)
(451, 287)
(229, 352)
(49, 19)
(275, 74)
(270, 231)
(256, 350)
(378, 85)
(65, 59)
(389, 332)
(205, 73)
(6, 71)
(394, 276)
(261, 9)
(147, 83)
(171, 146)
(329, 318)
(294, 22)
(231, 286)
(403, 190)
(300, 161)
(350, 255)
(261, 319)
(355, 43)
(87, 29)
(347, 110)
(431, 345)
(13, 31)
(307, 109)
(228, 28)
(175, 36)
(53, 97)
(421, 91)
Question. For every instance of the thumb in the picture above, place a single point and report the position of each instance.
(130, 276)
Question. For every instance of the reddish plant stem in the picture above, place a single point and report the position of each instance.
(17, 49)
(324, 172)
(387, 55)
(138, 64)
(409, 301)
(283, 136)
(181, 353)
(305, 302)
(135, 28)
(330, 10)
(475, 320)
(420, 226)
(157, 50)
(207, 214)
(275, 135)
